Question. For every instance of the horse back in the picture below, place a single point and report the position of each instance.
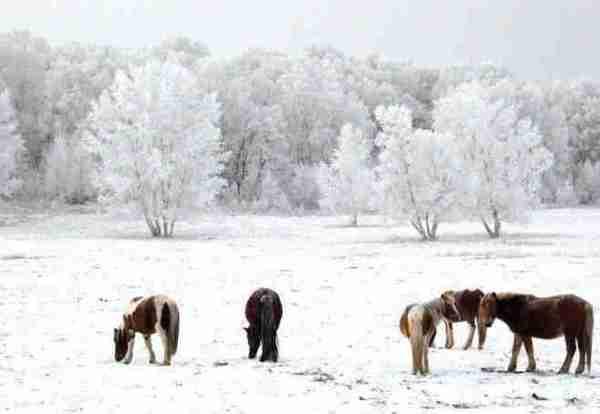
(252, 306)
(142, 315)
(551, 317)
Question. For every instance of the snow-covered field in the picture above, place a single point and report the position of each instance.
(66, 278)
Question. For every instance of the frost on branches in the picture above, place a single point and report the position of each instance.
(418, 170)
(347, 186)
(158, 141)
(11, 146)
(503, 156)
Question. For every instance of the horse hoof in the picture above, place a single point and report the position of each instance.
(579, 371)
(530, 369)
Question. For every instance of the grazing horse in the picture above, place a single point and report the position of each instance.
(418, 323)
(147, 316)
(263, 312)
(467, 303)
(528, 316)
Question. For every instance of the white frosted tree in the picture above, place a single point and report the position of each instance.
(69, 172)
(503, 156)
(587, 183)
(347, 186)
(11, 147)
(419, 171)
(158, 141)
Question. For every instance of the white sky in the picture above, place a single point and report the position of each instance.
(534, 38)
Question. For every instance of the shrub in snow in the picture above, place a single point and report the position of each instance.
(347, 186)
(418, 170)
(157, 139)
(503, 157)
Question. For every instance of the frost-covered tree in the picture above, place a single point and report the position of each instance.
(11, 146)
(347, 186)
(69, 172)
(158, 141)
(503, 156)
(23, 66)
(419, 171)
(587, 183)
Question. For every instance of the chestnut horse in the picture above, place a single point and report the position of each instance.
(147, 316)
(418, 323)
(528, 316)
(467, 303)
(263, 312)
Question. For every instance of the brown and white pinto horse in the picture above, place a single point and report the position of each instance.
(467, 303)
(528, 316)
(263, 312)
(148, 316)
(418, 323)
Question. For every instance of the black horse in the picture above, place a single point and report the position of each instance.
(263, 311)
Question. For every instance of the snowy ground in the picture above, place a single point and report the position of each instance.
(66, 278)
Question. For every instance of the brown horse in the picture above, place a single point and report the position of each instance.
(147, 316)
(467, 303)
(418, 323)
(528, 316)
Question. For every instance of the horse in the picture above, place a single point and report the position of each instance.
(467, 303)
(147, 316)
(418, 322)
(528, 317)
(263, 312)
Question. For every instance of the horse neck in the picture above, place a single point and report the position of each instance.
(508, 309)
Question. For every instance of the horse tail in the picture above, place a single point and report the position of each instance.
(416, 330)
(404, 328)
(268, 332)
(169, 321)
(589, 334)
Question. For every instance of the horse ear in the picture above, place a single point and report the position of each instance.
(494, 296)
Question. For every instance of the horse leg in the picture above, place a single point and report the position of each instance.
(129, 355)
(529, 348)
(581, 347)
(148, 343)
(471, 335)
(570, 340)
(432, 340)
(166, 349)
(512, 366)
(481, 333)
(415, 359)
(425, 369)
(449, 334)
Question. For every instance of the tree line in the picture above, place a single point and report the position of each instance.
(169, 127)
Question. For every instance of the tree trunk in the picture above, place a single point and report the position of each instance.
(495, 232)
(154, 230)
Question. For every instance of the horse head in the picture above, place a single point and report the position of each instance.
(488, 309)
(450, 310)
(121, 338)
